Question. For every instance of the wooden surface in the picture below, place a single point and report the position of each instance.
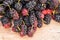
(47, 32)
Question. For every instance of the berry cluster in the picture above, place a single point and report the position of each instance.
(27, 15)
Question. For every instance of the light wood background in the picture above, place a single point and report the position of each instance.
(47, 32)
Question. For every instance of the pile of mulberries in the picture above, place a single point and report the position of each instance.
(27, 15)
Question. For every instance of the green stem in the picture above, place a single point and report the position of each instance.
(18, 1)
(9, 7)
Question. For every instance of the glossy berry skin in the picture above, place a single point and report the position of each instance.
(33, 27)
(30, 5)
(7, 14)
(23, 30)
(26, 20)
(8, 2)
(44, 12)
(39, 25)
(32, 18)
(47, 11)
(50, 4)
(18, 6)
(47, 15)
(30, 31)
(12, 14)
(39, 17)
(47, 19)
(42, 1)
(6, 22)
(24, 2)
(39, 6)
(27, 15)
(16, 29)
(39, 14)
(57, 17)
(24, 12)
(17, 24)
(2, 10)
